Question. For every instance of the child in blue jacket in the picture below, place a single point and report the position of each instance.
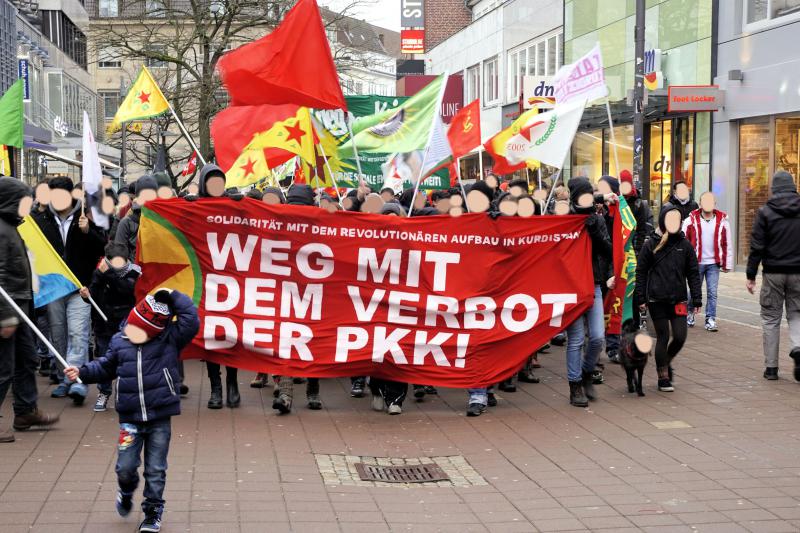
(144, 358)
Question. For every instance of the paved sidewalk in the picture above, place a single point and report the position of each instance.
(720, 454)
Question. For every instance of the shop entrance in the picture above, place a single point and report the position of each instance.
(670, 157)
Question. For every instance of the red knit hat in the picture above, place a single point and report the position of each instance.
(150, 316)
(626, 177)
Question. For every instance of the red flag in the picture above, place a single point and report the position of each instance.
(453, 171)
(465, 130)
(299, 176)
(291, 65)
(233, 129)
(191, 165)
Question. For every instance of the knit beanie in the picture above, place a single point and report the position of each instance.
(782, 181)
(300, 195)
(146, 182)
(150, 316)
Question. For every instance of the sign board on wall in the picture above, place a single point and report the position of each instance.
(538, 91)
(412, 26)
(452, 101)
(694, 98)
(412, 41)
(653, 79)
(23, 73)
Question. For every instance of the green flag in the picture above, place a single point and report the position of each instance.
(403, 129)
(12, 123)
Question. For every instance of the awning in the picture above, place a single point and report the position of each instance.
(69, 161)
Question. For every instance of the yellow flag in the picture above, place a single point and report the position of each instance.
(144, 100)
(5, 161)
(250, 167)
(294, 134)
(54, 279)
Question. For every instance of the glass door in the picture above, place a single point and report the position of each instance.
(754, 150)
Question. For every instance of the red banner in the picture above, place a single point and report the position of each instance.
(298, 291)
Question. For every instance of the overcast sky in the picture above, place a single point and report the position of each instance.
(384, 13)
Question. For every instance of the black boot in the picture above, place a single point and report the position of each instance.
(576, 395)
(795, 355)
(232, 382)
(588, 386)
(215, 401)
(508, 385)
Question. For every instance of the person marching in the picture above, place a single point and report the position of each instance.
(662, 271)
(708, 230)
(581, 365)
(144, 359)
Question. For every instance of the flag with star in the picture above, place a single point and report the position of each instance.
(294, 135)
(144, 100)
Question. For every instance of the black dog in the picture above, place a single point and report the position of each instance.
(635, 346)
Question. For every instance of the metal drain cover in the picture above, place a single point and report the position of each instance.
(401, 474)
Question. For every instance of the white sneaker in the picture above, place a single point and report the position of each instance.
(711, 324)
(377, 403)
(101, 404)
(690, 320)
(395, 409)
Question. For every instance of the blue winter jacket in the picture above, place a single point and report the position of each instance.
(147, 375)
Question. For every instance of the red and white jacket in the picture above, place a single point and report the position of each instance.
(723, 247)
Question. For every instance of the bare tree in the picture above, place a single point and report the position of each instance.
(181, 41)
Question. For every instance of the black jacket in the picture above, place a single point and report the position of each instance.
(602, 253)
(662, 276)
(15, 269)
(147, 374)
(127, 232)
(644, 222)
(82, 250)
(775, 241)
(114, 294)
(685, 209)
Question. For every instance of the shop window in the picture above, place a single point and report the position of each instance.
(473, 85)
(587, 154)
(787, 147)
(759, 13)
(754, 141)
(624, 138)
(660, 169)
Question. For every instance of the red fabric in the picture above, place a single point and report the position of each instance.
(465, 130)
(501, 165)
(233, 129)
(270, 288)
(612, 303)
(291, 65)
(191, 165)
(453, 172)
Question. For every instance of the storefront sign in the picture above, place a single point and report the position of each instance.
(23, 72)
(653, 79)
(412, 41)
(694, 98)
(538, 91)
(412, 23)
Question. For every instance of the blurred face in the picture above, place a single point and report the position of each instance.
(271, 198)
(60, 199)
(165, 192)
(491, 181)
(561, 207)
(107, 205)
(477, 202)
(672, 221)
(625, 188)
(526, 207)
(118, 262)
(124, 199)
(603, 187)
(105, 183)
(215, 186)
(516, 191)
(708, 202)
(135, 334)
(387, 195)
(146, 196)
(78, 194)
(25, 205)
(43, 194)
(443, 205)
(508, 207)
(586, 200)
(540, 194)
(420, 200)
(682, 191)
(372, 203)
(193, 189)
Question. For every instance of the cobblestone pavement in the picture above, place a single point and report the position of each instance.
(720, 454)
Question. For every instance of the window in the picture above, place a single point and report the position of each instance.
(110, 103)
(490, 81)
(761, 12)
(155, 8)
(552, 59)
(109, 57)
(539, 58)
(108, 8)
(154, 62)
(473, 85)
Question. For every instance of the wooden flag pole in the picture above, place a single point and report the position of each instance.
(613, 137)
(33, 327)
(186, 133)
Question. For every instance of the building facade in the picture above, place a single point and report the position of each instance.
(506, 41)
(676, 146)
(758, 131)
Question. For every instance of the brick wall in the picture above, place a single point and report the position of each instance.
(443, 18)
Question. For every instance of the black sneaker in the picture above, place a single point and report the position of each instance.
(492, 400)
(772, 373)
(357, 389)
(430, 389)
(613, 357)
(559, 340)
(124, 503)
(795, 354)
(184, 390)
(665, 385)
(475, 409)
(150, 524)
(314, 402)
(597, 377)
(419, 392)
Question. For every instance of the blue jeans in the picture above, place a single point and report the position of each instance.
(69, 319)
(711, 274)
(575, 336)
(100, 347)
(154, 437)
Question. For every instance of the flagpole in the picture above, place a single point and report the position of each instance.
(333, 179)
(355, 148)
(33, 327)
(613, 136)
(539, 172)
(186, 133)
(461, 183)
(437, 115)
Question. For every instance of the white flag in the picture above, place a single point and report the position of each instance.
(582, 80)
(439, 148)
(546, 137)
(91, 175)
